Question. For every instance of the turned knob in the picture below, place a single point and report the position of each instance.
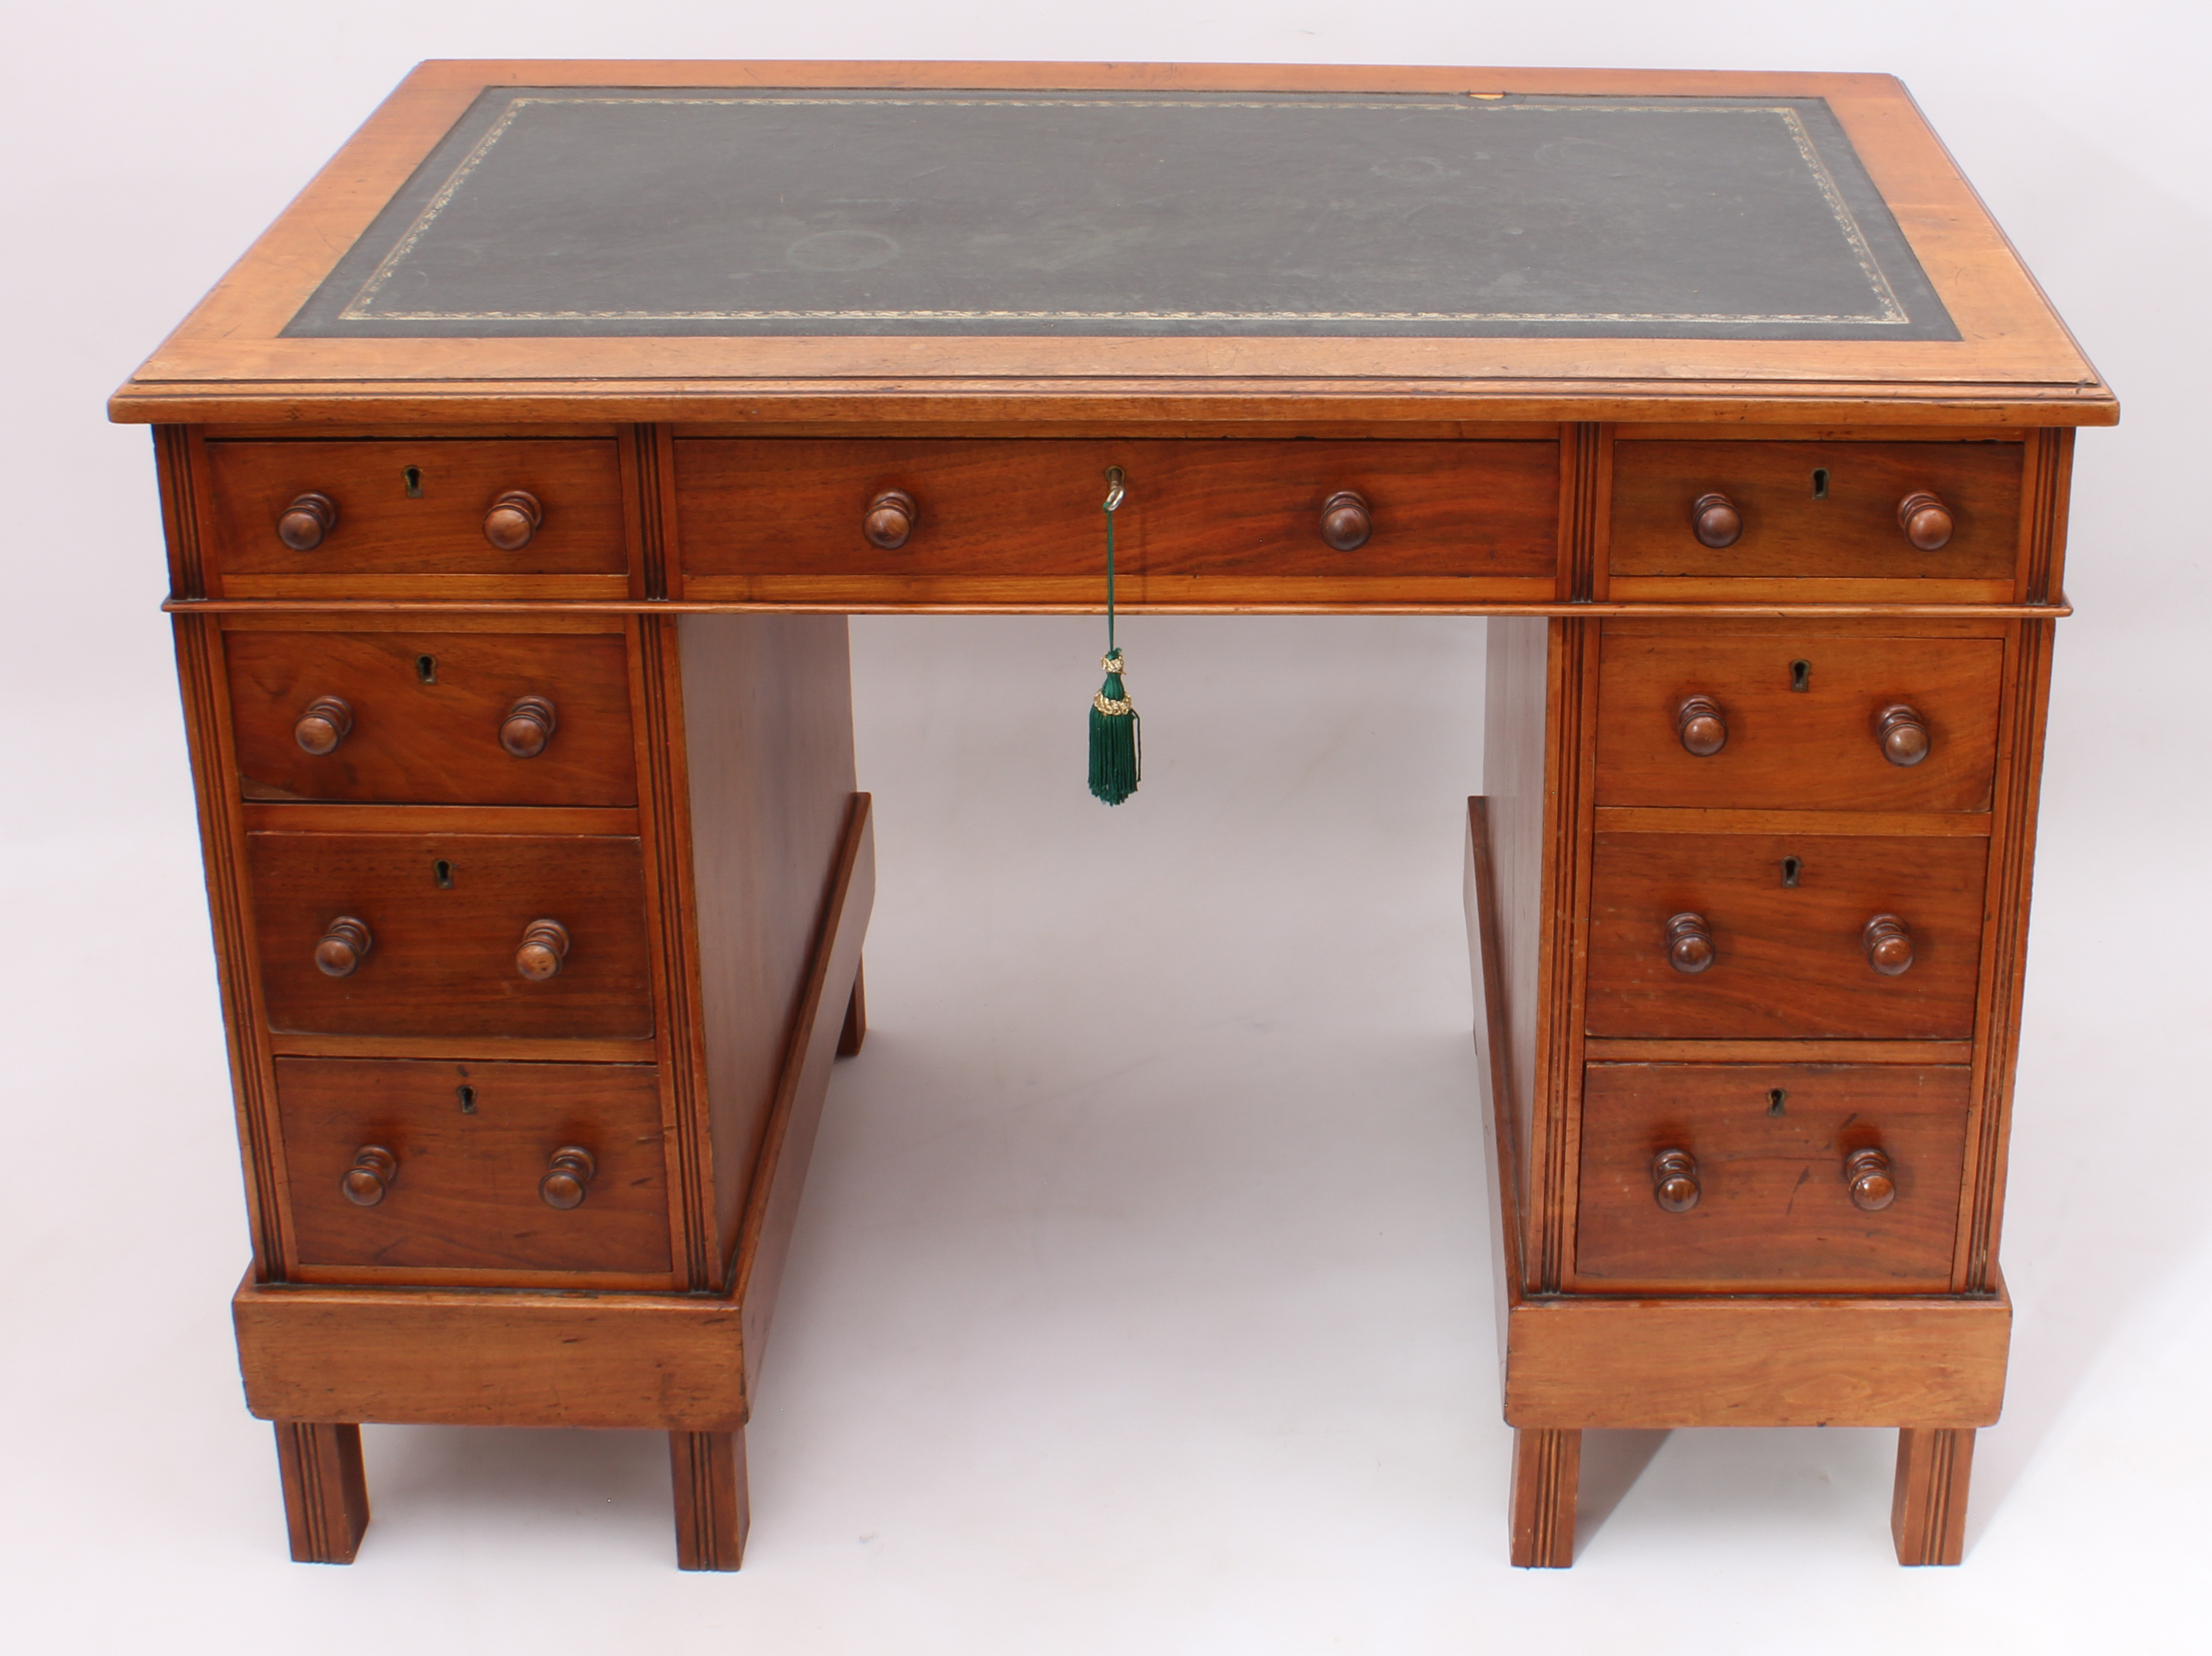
(304, 522)
(327, 722)
(1675, 1180)
(373, 1169)
(1347, 521)
(1698, 721)
(1889, 943)
(1689, 944)
(343, 947)
(1715, 520)
(512, 519)
(544, 946)
(527, 727)
(1902, 734)
(568, 1175)
(890, 519)
(1926, 521)
(1873, 1185)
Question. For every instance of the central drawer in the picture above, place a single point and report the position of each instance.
(404, 1165)
(1785, 919)
(779, 506)
(453, 943)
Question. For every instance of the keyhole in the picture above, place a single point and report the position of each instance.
(1776, 1098)
(412, 476)
(1791, 867)
(1820, 482)
(467, 1094)
(443, 871)
(1801, 676)
(426, 669)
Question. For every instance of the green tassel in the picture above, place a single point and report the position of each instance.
(1117, 757)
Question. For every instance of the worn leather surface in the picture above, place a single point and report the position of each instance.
(581, 211)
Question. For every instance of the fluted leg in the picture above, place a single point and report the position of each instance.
(1928, 1514)
(708, 1469)
(1546, 1469)
(325, 1495)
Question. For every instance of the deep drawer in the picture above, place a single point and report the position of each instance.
(1786, 961)
(789, 506)
(471, 1146)
(1769, 1152)
(448, 915)
(415, 508)
(433, 717)
(1801, 719)
(1815, 510)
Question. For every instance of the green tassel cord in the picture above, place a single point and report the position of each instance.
(1117, 752)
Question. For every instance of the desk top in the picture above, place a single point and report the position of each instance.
(852, 242)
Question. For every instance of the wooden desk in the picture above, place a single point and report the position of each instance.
(518, 480)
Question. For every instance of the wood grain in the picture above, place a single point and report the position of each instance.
(471, 1140)
(326, 1493)
(1774, 1212)
(1789, 532)
(434, 742)
(443, 959)
(1813, 749)
(1790, 961)
(707, 1474)
(1546, 1473)
(1927, 1510)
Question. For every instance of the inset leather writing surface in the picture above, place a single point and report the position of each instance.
(612, 210)
(470, 1143)
(1768, 1144)
(1788, 961)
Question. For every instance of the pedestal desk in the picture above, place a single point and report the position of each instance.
(517, 484)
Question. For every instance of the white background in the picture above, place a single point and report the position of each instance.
(1140, 1298)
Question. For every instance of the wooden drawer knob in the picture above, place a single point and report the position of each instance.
(512, 519)
(373, 1169)
(303, 523)
(528, 726)
(327, 722)
(1873, 1185)
(1889, 943)
(1926, 521)
(1689, 944)
(567, 1176)
(1717, 521)
(1699, 722)
(544, 946)
(1346, 520)
(1902, 734)
(1675, 1180)
(344, 946)
(890, 519)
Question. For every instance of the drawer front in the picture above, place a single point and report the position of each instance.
(1785, 748)
(424, 716)
(771, 507)
(442, 958)
(432, 522)
(1815, 510)
(469, 1145)
(1787, 961)
(1770, 1149)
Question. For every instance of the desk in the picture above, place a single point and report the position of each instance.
(517, 484)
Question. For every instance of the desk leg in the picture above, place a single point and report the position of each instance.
(708, 1469)
(1546, 1473)
(856, 1019)
(325, 1495)
(1928, 1514)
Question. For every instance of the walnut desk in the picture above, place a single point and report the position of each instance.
(517, 484)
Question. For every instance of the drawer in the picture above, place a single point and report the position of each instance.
(1770, 1150)
(1800, 719)
(789, 506)
(1811, 510)
(471, 1145)
(406, 508)
(1787, 961)
(447, 915)
(433, 717)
